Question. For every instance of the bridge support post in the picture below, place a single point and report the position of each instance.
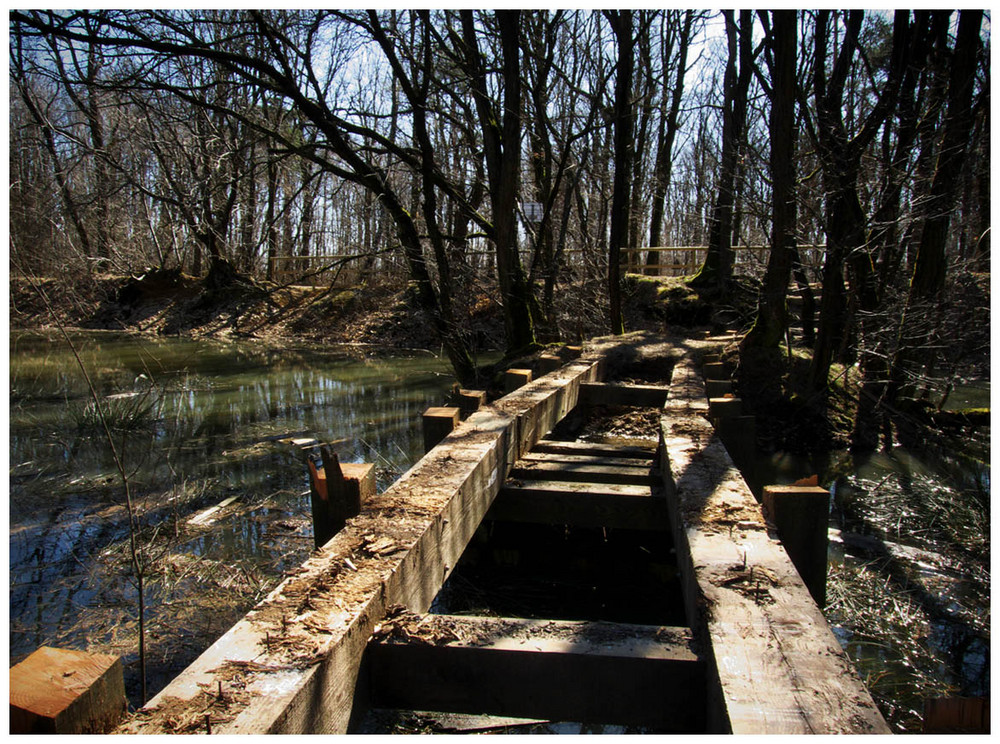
(468, 401)
(63, 691)
(549, 363)
(737, 432)
(515, 378)
(439, 422)
(718, 388)
(336, 492)
(800, 516)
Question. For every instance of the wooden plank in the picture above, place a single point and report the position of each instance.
(582, 472)
(774, 664)
(212, 513)
(292, 664)
(587, 459)
(612, 394)
(582, 505)
(589, 672)
(595, 449)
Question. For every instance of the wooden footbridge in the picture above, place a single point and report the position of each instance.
(351, 630)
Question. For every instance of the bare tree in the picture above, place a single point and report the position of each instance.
(771, 322)
(717, 269)
(624, 152)
(680, 32)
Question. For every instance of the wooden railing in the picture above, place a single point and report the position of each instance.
(682, 260)
(677, 260)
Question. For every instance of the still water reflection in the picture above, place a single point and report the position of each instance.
(194, 423)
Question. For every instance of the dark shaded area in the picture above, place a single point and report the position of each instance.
(563, 573)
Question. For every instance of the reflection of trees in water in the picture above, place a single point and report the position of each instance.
(209, 441)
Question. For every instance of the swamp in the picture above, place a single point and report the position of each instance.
(196, 424)
(221, 509)
(235, 231)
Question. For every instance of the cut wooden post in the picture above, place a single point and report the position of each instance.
(468, 401)
(739, 434)
(711, 359)
(439, 422)
(358, 485)
(956, 715)
(718, 388)
(574, 352)
(800, 515)
(515, 378)
(62, 691)
(337, 492)
(549, 363)
(724, 407)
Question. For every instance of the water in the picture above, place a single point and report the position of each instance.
(909, 579)
(194, 423)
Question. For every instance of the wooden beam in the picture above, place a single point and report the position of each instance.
(611, 394)
(643, 463)
(582, 505)
(588, 672)
(595, 449)
(582, 472)
(292, 664)
(774, 664)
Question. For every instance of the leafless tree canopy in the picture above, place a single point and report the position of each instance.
(276, 143)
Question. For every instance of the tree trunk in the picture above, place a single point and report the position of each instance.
(621, 23)
(931, 266)
(68, 202)
(769, 328)
(102, 178)
(270, 218)
(502, 145)
(666, 134)
(717, 269)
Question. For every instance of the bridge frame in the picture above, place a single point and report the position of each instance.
(294, 664)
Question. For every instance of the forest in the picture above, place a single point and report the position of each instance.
(415, 144)
(815, 183)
